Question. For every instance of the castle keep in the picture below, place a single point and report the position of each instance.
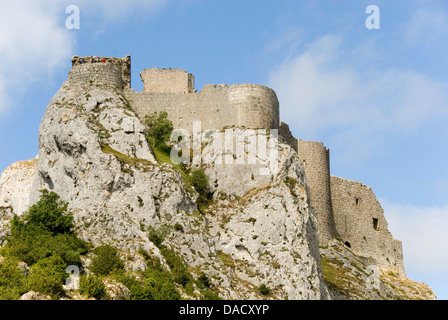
(345, 209)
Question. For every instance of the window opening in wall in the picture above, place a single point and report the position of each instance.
(357, 201)
(376, 224)
(348, 244)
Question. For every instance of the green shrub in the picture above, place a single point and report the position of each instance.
(177, 266)
(159, 285)
(264, 289)
(209, 294)
(12, 280)
(203, 281)
(178, 227)
(92, 286)
(157, 235)
(160, 128)
(47, 276)
(31, 243)
(199, 181)
(106, 261)
(50, 213)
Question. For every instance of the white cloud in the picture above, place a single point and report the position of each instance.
(320, 91)
(33, 43)
(423, 232)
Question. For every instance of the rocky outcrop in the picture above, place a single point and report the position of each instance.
(93, 152)
(15, 185)
(116, 290)
(352, 277)
(31, 295)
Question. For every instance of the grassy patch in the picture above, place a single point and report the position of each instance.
(226, 259)
(126, 160)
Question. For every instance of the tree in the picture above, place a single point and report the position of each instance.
(50, 213)
(160, 127)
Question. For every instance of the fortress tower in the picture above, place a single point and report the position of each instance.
(316, 162)
(101, 71)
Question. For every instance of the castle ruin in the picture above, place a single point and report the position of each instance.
(345, 209)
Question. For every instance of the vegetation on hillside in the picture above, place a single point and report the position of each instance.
(43, 244)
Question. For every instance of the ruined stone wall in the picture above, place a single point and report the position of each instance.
(167, 80)
(286, 136)
(360, 222)
(241, 105)
(316, 162)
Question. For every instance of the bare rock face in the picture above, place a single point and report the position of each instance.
(15, 185)
(116, 290)
(31, 295)
(351, 277)
(93, 152)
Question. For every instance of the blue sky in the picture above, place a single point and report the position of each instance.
(377, 98)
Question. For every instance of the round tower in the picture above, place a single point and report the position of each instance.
(97, 71)
(256, 106)
(316, 162)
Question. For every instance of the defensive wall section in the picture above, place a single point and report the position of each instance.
(167, 81)
(345, 209)
(217, 106)
(360, 223)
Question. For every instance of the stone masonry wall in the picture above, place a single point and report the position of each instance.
(241, 105)
(360, 222)
(286, 136)
(98, 73)
(316, 162)
(101, 70)
(167, 80)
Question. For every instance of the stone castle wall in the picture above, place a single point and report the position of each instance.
(241, 105)
(360, 222)
(316, 162)
(167, 80)
(286, 136)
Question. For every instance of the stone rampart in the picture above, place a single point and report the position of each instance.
(167, 80)
(360, 222)
(240, 105)
(316, 162)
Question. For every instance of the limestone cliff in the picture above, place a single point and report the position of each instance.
(93, 152)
